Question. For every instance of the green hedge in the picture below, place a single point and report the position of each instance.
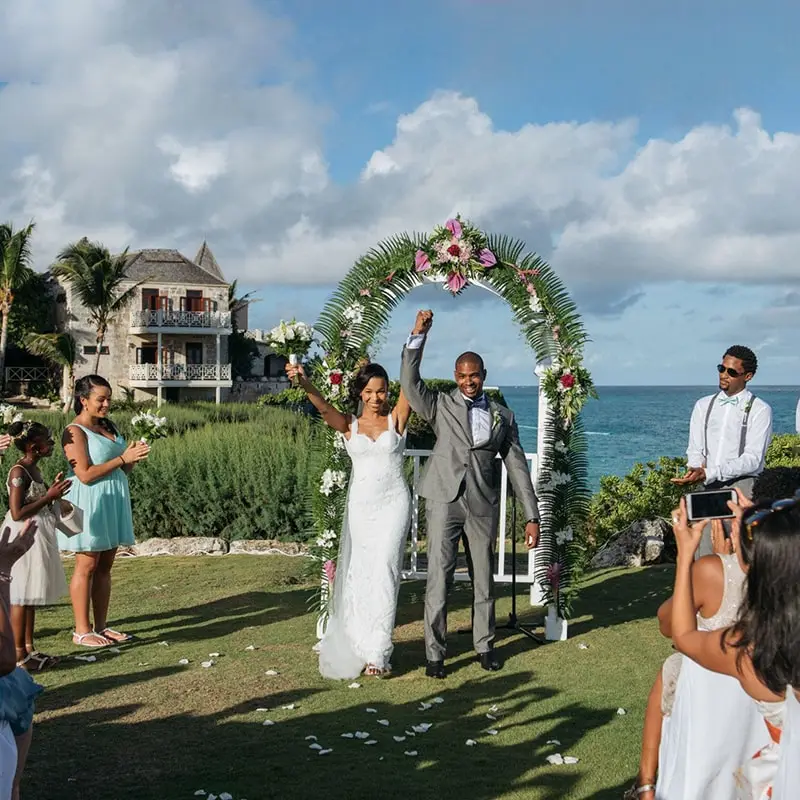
(212, 478)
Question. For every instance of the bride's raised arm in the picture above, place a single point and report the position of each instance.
(330, 415)
(401, 413)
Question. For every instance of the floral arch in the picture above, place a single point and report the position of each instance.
(459, 255)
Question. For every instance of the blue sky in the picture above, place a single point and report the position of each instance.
(649, 151)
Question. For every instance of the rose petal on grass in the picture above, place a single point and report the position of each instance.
(437, 700)
(556, 758)
(315, 746)
(362, 735)
(553, 741)
(311, 738)
(183, 662)
(226, 796)
(271, 672)
(262, 709)
(384, 722)
(89, 659)
(250, 647)
(115, 650)
(399, 738)
(213, 655)
(424, 706)
(325, 752)
(163, 644)
(411, 752)
(583, 646)
(347, 736)
(489, 716)
(290, 707)
(492, 732)
(267, 722)
(372, 711)
(471, 743)
(410, 733)
(423, 727)
(200, 793)
(570, 760)
(371, 741)
(621, 712)
(494, 709)
(354, 686)
(143, 664)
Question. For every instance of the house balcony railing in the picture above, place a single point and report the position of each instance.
(214, 320)
(180, 372)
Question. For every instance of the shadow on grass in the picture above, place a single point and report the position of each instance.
(120, 756)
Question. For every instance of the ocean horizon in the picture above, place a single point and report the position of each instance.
(632, 424)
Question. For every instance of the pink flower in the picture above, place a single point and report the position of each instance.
(567, 381)
(530, 287)
(365, 292)
(554, 575)
(391, 275)
(455, 282)
(421, 261)
(556, 331)
(329, 568)
(454, 226)
(487, 258)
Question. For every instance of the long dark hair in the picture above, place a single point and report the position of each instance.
(768, 628)
(83, 388)
(362, 378)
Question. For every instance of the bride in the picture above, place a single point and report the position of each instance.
(358, 637)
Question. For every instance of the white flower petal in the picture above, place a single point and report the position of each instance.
(489, 716)
(372, 711)
(492, 732)
(371, 741)
(583, 646)
(311, 738)
(143, 664)
(556, 758)
(200, 793)
(89, 659)
(164, 644)
(262, 709)
(347, 736)
(411, 752)
(250, 647)
(315, 746)
(354, 686)
(271, 672)
(384, 722)
(362, 735)
(115, 650)
(399, 738)
(570, 760)
(206, 664)
(471, 743)
(410, 733)
(424, 706)
(325, 752)
(213, 655)
(438, 700)
(267, 722)
(494, 709)
(226, 796)
(290, 707)
(183, 662)
(621, 712)
(553, 741)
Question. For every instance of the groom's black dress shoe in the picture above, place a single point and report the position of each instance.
(489, 661)
(434, 669)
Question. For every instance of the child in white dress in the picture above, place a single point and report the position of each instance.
(38, 577)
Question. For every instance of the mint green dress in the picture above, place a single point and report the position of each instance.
(106, 503)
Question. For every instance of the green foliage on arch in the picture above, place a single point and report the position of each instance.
(459, 255)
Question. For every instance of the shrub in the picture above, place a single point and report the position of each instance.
(784, 450)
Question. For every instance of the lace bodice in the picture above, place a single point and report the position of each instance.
(377, 463)
(36, 489)
(732, 596)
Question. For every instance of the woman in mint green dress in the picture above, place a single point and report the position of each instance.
(99, 461)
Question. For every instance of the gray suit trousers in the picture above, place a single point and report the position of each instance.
(445, 524)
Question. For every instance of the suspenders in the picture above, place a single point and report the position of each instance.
(743, 430)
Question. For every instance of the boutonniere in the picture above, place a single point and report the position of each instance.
(496, 418)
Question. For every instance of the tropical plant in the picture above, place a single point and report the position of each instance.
(15, 272)
(241, 350)
(457, 255)
(60, 350)
(97, 278)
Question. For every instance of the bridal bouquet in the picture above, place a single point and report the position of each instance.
(148, 427)
(8, 414)
(292, 339)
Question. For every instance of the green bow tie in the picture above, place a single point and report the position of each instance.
(734, 401)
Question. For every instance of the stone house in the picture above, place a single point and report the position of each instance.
(171, 342)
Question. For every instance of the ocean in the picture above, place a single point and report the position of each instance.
(629, 424)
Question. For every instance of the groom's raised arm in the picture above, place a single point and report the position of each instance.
(421, 399)
(518, 472)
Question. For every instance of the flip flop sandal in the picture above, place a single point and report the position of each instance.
(31, 663)
(115, 636)
(47, 661)
(80, 639)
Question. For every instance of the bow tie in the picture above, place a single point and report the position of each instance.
(481, 402)
(732, 401)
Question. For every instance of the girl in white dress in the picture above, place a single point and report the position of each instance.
(358, 637)
(761, 650)
(38, 577)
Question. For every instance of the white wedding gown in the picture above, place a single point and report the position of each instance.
(364, 601)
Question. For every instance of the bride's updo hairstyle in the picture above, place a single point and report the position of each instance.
(769, 621)
(362, 378)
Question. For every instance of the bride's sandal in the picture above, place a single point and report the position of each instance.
(645, 791)
(377, 672)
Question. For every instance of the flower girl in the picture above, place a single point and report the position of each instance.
(38, 577)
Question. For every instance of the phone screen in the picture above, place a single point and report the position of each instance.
(710, 505)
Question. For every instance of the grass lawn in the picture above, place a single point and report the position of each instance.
(139, 725)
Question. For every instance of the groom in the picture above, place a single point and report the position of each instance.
(461, 488)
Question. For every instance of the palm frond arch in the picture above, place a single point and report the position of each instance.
(359, 311)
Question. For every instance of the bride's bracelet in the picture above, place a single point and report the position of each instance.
(5, 577)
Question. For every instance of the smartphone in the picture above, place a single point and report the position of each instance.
(710, 505)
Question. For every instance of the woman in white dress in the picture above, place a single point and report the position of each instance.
(761, 649)
(358, 637)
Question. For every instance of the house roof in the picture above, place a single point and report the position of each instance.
(170, 266)
(205, 259)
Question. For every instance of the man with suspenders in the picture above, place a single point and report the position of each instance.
(729, 432)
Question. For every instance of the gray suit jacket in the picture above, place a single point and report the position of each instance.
(456, 461)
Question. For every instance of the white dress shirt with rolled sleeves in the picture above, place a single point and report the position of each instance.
(722, 461)
(480, 419)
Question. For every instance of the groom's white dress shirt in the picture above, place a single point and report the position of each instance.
(717, 448)
(480, 419)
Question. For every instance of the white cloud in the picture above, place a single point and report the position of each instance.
(159, 124)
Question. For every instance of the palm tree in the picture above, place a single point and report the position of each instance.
(96, 277)
(59, 349)
(236, 304)
(15, 270)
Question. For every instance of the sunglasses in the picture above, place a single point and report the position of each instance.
(755, 517)
(722, 369)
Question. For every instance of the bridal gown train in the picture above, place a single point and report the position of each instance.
(359, 630)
